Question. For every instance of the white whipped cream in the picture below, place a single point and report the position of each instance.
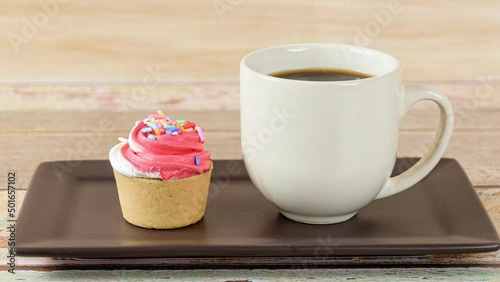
(121, 165)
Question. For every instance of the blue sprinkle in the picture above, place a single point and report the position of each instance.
(152, 137)
(197, 160)
(137, 122)
(152, 125)
(173, 129)
(146, 129)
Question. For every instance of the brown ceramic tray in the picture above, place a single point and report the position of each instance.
(79, 216)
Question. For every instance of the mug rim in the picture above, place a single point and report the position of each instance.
(397, 64)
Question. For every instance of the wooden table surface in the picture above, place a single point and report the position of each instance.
(68, 65)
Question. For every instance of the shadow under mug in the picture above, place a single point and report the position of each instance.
(322, 150)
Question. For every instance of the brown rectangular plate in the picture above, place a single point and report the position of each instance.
(71, 210)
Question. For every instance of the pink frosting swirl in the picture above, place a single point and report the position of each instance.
(172, 156)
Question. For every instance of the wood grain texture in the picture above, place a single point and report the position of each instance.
(304, 275)
(40, 121)
(118, 60)
(106, 121)
(473, 150)
(466, 96)
(193, 40)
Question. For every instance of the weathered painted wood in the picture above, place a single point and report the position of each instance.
(242, 275)
(191, 51)
(92, 40)
(30, 150)
(24, 151)
(467, 96)
(39, 121)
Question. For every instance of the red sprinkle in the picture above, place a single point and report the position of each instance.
(189, 125)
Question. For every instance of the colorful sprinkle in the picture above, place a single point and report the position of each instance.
(189, 125)
(137, 122)
(152, 125)
(197, 160)
(159, 124)
(179, 126)
(201, 134)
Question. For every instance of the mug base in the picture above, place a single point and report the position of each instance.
(317, 219)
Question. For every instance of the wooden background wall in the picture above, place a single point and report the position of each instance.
(67, 64)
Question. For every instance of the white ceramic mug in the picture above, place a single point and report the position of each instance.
(322, 150)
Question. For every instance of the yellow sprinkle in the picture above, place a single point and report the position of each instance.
(179, 125)
(153, 120)
(160, 113)
(162, 121)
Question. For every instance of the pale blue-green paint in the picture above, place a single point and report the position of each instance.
(388, 274)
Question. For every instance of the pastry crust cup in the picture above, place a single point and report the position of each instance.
(163, 204)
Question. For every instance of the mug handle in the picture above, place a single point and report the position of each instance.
(413, 94)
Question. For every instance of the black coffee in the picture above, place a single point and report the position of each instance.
(320, 74)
